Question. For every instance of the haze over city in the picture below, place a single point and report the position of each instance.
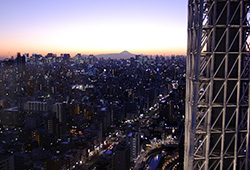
(93, 27)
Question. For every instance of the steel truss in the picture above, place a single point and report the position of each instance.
(217, 85)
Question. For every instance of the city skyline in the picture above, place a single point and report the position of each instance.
(93, 27)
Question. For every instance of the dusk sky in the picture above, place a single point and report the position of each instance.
(93, 26)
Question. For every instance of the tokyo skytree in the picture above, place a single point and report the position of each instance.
(217, 115)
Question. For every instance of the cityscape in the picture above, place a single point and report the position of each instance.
(83, 112)
(109, 95)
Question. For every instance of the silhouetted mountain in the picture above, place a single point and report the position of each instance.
(124, 55)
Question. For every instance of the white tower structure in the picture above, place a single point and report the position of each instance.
(217, 85)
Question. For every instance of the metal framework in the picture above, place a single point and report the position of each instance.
(217, 85)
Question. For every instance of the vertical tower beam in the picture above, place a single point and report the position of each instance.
(217, 85)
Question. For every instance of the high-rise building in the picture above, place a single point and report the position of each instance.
(59, 109)
(122, 156)
(20, 62)
(36, 106)
(7, 162)
(133, 139)
(217, 85)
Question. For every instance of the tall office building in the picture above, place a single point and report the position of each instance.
(122, 156)
(217, 85)
(20, 62)
(133, 139)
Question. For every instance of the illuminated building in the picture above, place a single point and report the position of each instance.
(133, 139)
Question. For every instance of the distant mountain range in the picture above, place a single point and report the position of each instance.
(124, 55)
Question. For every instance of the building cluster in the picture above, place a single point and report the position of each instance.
(61, 112)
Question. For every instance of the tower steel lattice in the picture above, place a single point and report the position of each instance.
(217, 85)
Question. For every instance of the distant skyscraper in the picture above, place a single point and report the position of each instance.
(20, 65)
(217, 85)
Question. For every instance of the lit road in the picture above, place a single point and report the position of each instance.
(89, 164)
(171, 163)
(140, 160)
(97, 156)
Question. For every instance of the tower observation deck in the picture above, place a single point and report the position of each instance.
(217, 85)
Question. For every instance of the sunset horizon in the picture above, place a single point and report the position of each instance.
(72, 54)
(93, 27)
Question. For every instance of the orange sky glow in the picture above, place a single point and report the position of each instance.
(93, 27)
